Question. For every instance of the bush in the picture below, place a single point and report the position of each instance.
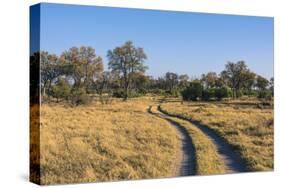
(79, 96)
(265, 95)
(173, 93)
(134, 93)
(61, 89)
(208, 94)
(118, 93)
(222, 92)
(192, 92)
(157, 91)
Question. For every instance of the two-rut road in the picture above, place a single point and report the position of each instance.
(187, 166)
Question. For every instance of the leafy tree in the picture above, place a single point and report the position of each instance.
(171, 81)
(261, 83)
(193, 91)
(222, 92)
(126, 60)
(62, 89)
(209, 80)
(208, 94)
(249, 81)
(234, 75)
(50, 68)
(140, 82)
(183, 80)
(85, 65)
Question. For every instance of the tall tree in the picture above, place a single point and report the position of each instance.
(261, 83)
(209, 80)
(249, 81)
(171, 80)
(126, 60)
(85, 65)
(50, 68)
(234, 76)
(183, 81)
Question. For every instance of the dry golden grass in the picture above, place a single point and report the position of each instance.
(120, 141)
(208, 160)
(249, 129)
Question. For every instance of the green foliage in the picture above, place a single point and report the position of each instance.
(127, 60)
(79, 96)
(223, 92)
(192, 92)
(62, 89)
(119, 93)
(265, 94)
(208, 94)
(158, 91)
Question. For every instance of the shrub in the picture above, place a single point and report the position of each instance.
(118, 93)
(134, 93)
(222, 92)
(208, 94)
(79, 96)
(61, 89)
(266, 94)
(192, 92)
(157, 91)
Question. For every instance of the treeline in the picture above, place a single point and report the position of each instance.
(78, 75)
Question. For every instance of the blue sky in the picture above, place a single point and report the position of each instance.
(182, 42)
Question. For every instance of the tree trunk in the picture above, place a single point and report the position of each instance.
(233, 93)
(126, 92)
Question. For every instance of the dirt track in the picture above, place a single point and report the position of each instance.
(187, 161)
(231, 158)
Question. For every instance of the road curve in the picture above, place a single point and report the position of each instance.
(187, 164)
(231, 158)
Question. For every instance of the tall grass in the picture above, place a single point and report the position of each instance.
(105, 143)
(249, 129)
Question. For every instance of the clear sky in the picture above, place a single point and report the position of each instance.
(182, 42)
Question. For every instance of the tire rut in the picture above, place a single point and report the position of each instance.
(231, 158)
(187, 165)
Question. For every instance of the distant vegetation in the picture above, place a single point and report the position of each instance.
(78, 74)
(133, 139)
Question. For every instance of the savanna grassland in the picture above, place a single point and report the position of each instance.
(243, 124)
(207, 158)
(93, 125)
(97, 142)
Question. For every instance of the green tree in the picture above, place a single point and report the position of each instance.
(61, 89)
(171, 81)
(125, 60)
(249, 81)
(193, 91)
(183, 81)
(209, 80)
(84, 64)
(261, 83)
(222, 92)
(50, 69)
(235, 75)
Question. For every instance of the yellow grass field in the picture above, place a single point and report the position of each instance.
(206, 155)
(123, 141)
(249, 129)
(120, 141)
